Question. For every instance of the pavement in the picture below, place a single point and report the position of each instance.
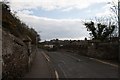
(40, 67)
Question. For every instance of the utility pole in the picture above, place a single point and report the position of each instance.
(119, 25)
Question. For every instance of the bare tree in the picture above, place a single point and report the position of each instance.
(114, 16)
(114, 9)
(100, 31)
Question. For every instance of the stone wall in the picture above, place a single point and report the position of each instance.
(103, 51)
(0, 52)
(32, 56)
(16, 61)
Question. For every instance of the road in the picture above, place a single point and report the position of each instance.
(61, 64)
(76, 66)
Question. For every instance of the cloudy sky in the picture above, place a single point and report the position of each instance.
(62, 19)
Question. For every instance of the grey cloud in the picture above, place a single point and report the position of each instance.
(55, 28)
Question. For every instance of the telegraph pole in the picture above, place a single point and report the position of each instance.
(119, 25)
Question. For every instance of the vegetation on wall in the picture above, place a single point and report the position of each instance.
(16, 27)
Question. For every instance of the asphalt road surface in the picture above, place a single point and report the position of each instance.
(76, 66)
(66, 65)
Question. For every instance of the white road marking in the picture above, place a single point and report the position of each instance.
(74, 57)
(63, 62)
(57, 76)
(62, 71)
(114, 65)
(47, 58)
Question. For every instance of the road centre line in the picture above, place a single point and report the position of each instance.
(74, 57)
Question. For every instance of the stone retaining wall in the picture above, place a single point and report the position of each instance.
(101, 50)
(104, 51)
(15, 56)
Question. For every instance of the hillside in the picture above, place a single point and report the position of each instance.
(18, 45)
(13, 25)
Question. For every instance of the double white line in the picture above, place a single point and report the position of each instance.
(47, 58)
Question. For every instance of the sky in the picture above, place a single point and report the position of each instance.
(61, 19)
